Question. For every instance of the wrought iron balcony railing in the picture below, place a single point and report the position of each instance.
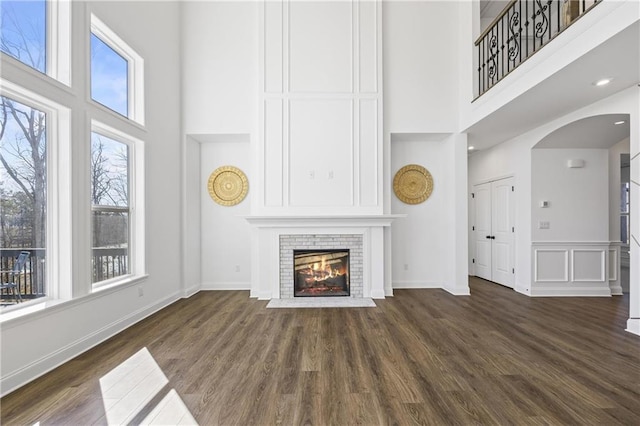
(106, 263)
(519, 31)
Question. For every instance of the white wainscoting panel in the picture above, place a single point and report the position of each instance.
(320, 138)
(273, 151)
(368, 167)
(615, 278)
(613, 265)
(368, 46)
(320, 158)
(565, 268)
(321, 47)
(588, 265)
(274, 54)
(551, 265)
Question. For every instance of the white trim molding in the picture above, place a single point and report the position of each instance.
(574, 269)
(615, 262)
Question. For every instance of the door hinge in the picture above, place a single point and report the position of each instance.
(473, 195)
(513, 229)
(473, 228)
(512, 188)
(473, 261)
(513, 270)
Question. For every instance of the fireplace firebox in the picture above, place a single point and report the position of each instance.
(321, 273)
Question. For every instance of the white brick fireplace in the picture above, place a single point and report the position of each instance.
(319, 155)
(275, 238)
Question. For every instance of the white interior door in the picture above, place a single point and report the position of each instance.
(482, 231)
(494, 231)
(502, 230)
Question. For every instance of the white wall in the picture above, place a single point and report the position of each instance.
(219, 110)
(418, 257)
(422, 81)
(192, 235)
(225, 234)
(219, 66)
(578, 197)
(421, 75)
(40, 341)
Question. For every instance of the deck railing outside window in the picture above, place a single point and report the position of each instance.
(107, 263)
(520, 30)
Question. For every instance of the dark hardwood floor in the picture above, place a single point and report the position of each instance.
(421, 357)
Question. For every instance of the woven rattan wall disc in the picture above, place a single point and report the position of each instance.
(228, 185)
(412, 184)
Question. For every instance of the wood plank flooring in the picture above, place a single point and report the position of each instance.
(421, 357)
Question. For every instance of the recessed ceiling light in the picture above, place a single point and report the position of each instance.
(471, 148)
(602, 82)
(617, 123)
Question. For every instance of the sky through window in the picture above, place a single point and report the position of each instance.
(109, 77)
(23, 31)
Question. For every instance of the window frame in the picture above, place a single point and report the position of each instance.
(135, 70)
(57, 44)
(58, 244)
(136, 243)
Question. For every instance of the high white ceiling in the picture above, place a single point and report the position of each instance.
(569, 89)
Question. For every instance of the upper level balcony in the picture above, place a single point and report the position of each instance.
(536, 60)
(520, 30)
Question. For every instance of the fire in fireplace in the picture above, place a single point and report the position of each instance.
(321, 272)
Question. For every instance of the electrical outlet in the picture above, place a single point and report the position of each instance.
(312, 174)
(140, 291)
(406, 266)
(237, 268)
(544, 225)
(330, 174)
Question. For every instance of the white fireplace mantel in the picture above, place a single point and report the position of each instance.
(323, 221)
(265, 247)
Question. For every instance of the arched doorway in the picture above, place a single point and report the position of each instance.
(580, 213)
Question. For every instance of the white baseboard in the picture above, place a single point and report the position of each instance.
(188, 292)
(415, 284)
(260, 295)
(32, 371)
(523, 289)
(458, 291)
(570, 291)
(240, 285)
(616, 290)
(377, 294)
(633, 326)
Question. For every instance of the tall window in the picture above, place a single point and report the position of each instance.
(23, 31)
(109, 77)
(23, 193)
(110, 207)
(117, 73)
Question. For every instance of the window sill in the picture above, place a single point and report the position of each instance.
(37, 309)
